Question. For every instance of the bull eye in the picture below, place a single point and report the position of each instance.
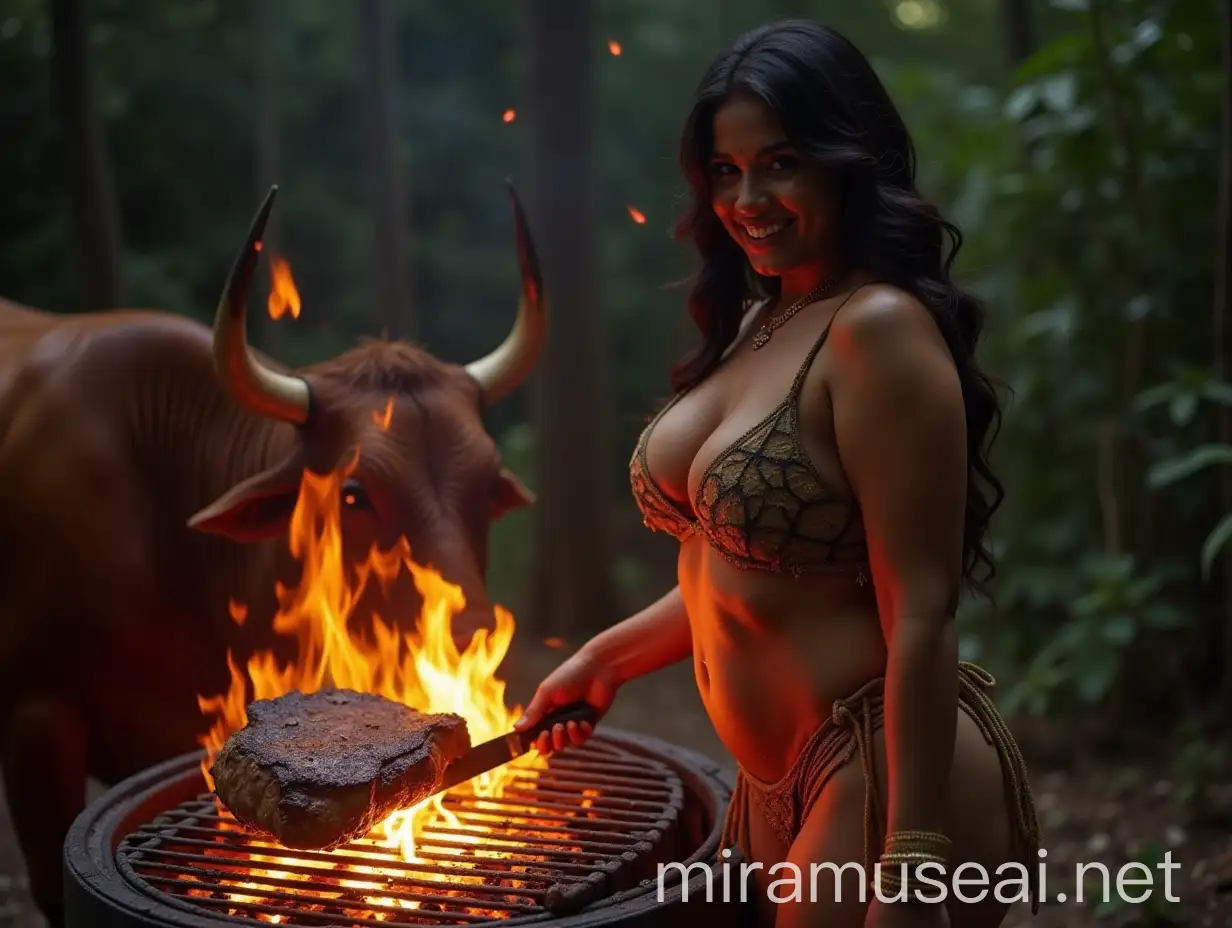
(354, 496)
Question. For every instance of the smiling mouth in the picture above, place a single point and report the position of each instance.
(764, 233)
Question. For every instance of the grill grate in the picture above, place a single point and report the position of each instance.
(591, 824)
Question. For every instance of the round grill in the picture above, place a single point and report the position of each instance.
(581, 840)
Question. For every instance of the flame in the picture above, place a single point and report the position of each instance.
(423, 669)
(382, 419)
(510, 115)
(614, 47)
(283, 295)
(239, 612)
(638, 216)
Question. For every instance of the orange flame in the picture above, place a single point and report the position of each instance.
(382, 419)
(510, 115)
(423, 668)
(614, 47)
(638, 216)
(283, 295)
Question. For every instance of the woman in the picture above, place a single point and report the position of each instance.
(819, 463)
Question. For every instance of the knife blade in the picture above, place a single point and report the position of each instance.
(499, 751)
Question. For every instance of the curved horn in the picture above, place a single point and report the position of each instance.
(504, 370)
(265, 392)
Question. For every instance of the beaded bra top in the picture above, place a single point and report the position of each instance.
(761, 502)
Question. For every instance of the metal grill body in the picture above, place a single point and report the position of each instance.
(587, 832)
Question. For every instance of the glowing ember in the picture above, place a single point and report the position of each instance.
(423, 669)
(638, 216)
(510, 115)
(283, 295)
(613, 46)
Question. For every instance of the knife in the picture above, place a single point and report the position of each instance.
(498, 751)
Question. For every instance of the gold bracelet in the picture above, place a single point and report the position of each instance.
(904, 853)
(891, 881)
(918, 842)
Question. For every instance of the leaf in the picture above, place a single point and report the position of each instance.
(1096, 680)
(1119, 629)
(1060, 90)
(1088, 604)
(1182, 408)
(1059, 320)
(1147, 34)
(1154, 396)
(1214, 543)
(1174, 469)
(1218, 391)
(1021, 102)
(1165, 617)
(1138, 307)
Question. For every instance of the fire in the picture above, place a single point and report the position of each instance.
(382, 419)
(509, 115)
(638, 216)
(283, 295)
(614, 47)
(423, 668)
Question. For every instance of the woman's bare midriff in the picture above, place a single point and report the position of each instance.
(769, 671)
(769, 668)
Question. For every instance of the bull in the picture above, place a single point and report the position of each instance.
(148, 471)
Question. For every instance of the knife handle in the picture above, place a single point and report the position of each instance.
(580, 711)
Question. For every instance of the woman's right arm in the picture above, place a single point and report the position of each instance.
(652, 639)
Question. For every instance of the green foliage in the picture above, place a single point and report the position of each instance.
(1150, 908)
(1087, 204)
(1115, 605)
(1171, 470)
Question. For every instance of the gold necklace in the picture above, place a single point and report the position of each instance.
(768, 327)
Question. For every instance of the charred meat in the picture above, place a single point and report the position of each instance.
(318, 770)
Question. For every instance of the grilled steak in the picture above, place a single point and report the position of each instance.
(318, 770)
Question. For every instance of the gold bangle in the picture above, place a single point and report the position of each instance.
(918, 843)
(915, 836)
(912, 834)
(891, 882)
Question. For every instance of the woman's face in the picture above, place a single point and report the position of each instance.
(779, 209)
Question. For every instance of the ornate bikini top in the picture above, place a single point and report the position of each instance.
(761, 502)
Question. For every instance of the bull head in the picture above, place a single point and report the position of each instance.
(432, 474)
(289, 398)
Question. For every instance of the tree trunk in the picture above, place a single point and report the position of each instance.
(573, 587)
(386, 189)
(96, 214)
(269, 138)
(1017, 30)
(1222, 331)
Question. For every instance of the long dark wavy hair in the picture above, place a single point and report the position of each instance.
(833, 107)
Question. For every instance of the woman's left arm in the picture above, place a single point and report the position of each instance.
(901, 434)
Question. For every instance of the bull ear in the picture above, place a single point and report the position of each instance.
(510, 494)
(256, 509)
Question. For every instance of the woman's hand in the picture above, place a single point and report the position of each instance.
(580, 678)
